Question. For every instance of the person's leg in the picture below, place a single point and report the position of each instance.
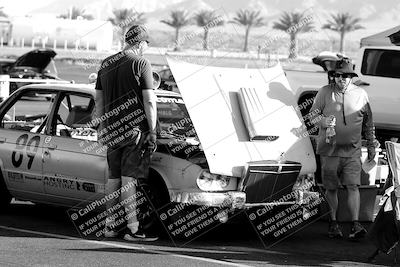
(112, 186)
(128, 198)
(135, 166)
(130, 159)
(352, 180)
(330, 180)
(332, 199)
(112, 190)
(353, 201)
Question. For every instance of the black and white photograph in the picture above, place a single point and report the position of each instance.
(199, 133)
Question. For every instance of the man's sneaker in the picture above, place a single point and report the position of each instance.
(334, 230)
(357, 231)
(108, 232)
(140, 235)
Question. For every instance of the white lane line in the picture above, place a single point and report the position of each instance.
(111, 244)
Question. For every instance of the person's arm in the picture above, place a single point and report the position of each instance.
(316, 115)
(150, 108)
(369, 130)
(149, 100)
(99, 106)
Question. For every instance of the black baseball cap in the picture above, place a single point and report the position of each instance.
(136, 34)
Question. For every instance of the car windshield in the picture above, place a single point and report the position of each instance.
(51, 68)
(173, 118)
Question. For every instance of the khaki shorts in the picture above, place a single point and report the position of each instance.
(128, 160)
(340, 170)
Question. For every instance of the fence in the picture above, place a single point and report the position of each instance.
(5, 81)
(43, 43)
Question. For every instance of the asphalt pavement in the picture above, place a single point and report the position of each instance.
(39, 235)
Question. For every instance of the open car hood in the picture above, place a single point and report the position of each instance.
(215, 99)
(38, 58)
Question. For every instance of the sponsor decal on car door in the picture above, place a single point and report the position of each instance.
(70, 172)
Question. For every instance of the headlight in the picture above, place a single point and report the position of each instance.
(214, 182)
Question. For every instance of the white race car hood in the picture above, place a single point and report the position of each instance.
(216, 99)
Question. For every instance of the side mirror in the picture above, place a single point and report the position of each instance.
(361, 83)
(156, 80)
(92, 77)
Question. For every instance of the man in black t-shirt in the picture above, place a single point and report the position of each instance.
(126, 109)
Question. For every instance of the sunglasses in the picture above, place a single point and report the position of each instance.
(344, 75)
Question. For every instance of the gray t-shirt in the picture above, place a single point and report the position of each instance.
(353, 117)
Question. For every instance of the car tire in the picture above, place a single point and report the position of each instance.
(5, 196)
(157, 197)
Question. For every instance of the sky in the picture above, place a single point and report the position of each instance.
(375, 16)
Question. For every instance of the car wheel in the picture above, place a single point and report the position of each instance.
(157, 197)
(168, 218)
(5, 196)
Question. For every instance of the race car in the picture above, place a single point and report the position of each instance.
(37, 64)
(50, 154)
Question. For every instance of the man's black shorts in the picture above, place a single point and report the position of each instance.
(128, 160)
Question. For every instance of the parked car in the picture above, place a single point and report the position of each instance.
(378, 69)
(5, 64)
(167, 80)
(36, 64)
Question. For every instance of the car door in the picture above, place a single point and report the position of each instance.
(23, 118)
(380, 70)
(74, 165)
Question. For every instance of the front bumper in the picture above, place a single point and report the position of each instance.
(230, 200)
(234, 199)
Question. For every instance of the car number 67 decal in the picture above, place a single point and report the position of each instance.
(31, 147)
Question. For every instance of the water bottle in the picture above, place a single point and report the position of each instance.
(330, 132)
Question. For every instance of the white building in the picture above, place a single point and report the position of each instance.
(50, 31)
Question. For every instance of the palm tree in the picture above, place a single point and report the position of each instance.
(342, 23)
(207, 19)
(124, 18)
(293, 23)
(248, 19)
(179, 19)
(75, 13)
(2, 13)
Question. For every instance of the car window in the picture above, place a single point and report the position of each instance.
(173, 117)
(51, 69)
(166, 74)
(380, 62)
(73, 116)
(29, 112)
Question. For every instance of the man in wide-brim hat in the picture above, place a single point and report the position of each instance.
(345, 107)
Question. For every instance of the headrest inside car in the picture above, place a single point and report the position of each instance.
(78, 115)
